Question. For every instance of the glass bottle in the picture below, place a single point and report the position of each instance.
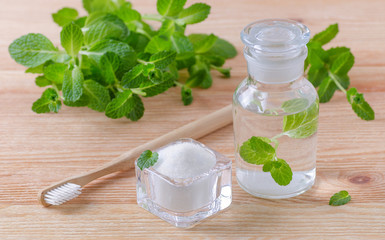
(278, 106)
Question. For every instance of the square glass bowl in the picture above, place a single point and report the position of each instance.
(185, 202)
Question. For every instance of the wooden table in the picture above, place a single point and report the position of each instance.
(37, 150)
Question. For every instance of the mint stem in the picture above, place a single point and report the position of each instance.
(178, 84)
(153, 17)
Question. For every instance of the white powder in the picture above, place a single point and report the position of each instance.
(184, 160)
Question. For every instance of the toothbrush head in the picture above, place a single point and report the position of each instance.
(61, 194)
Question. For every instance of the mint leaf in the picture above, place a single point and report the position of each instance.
(326, 90)
(302, 124)
(295, 105)
(81, 102)
(55, 72)
(223, 49)
(167, 28)
(147, 159)
(333, 53)
(109, 67)
(157, 44)
(98, 96)
(359, 105)
(121, 105)
(343, 63)
(187, 97)
(42, 81)
(32, 50)
(126, 54)
(73, 84)
(317, 75)
(327, 35)
(37, 69)
(104, 5)
(65, 16)
(71, 38)
(340, 198)
(157, 86)
(257, 150)
(182, 45)
(170, 7)
(128, 15)
(202, 43)
(162, 59)
(281, 172)
(194, 14)
(137, 111)
(134, 77)
(48, 102)
(105, 26)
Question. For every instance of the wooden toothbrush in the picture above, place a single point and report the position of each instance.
(70, 188)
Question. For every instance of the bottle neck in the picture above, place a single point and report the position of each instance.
(274, 68)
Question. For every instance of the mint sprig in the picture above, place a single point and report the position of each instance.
(340, 198)
(328, 70)
(260, 150)
(147, 159)
(112, 57)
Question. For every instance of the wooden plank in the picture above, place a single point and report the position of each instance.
(37, 150)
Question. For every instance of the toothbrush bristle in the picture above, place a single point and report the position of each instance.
(62, 194)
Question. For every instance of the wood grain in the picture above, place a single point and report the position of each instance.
(38, 150)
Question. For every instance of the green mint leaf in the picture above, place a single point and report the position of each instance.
(157, 86)
(187, 97)
(223, 48)
(55, 72)
(302, 124)
(108, 67)
(121, 105)
(81, 21)
(202, 43)
(214, 60)
(98, 96)
(127, 55)
(317, 57)
(170, 7)
(316, 75)
(162, 59)
(343, 63)
(71, 38)
(182, 46)
(42, 81)
(128, 15)
(104, 5)
(326, 90)
(137, 111)
(340, 198)
(196, 13)
(257, 150)
(32, 50)
(198, 73)
(104, 26)
(281, 172)
(37, 69)
(48, 102)
(147, 159)
(295, 105)
(157, 44)
(359, 105)
(333, 53)
(65, 16)
(327, 35)
(267, 166)
(81, 102)
(167, 28)
(73, 84)
(134, 77)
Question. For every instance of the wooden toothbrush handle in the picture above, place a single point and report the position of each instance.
(196, 129)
